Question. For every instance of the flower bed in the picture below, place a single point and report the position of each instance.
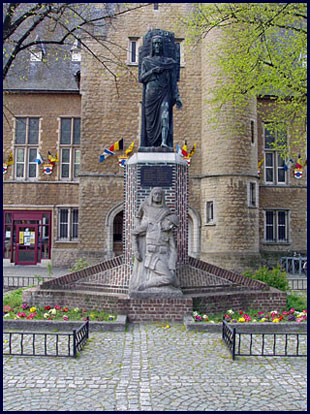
(253, 317)
(57, 313)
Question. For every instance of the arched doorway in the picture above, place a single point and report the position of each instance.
(118, 233)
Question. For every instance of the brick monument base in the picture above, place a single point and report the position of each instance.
(105, 286)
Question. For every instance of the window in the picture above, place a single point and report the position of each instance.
(68, 224)
(274, 163)
(252, 195)
(36, 55)
(26, 147)
(276, 226)
(70, 155)
(209, 212)
(156, 6)
(252, 132)
(133, 55)
(180, 42)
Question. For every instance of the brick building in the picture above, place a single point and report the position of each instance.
(72, 107)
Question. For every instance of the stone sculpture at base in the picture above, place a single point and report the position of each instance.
(154, 249)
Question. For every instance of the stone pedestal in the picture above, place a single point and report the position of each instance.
(144, 171)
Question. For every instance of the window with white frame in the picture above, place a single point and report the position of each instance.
(70, 154)
(68, 224)
(133, 52)
(274, 163)
(276, 226)
(252, 194)
(209, 212)
(26, 147)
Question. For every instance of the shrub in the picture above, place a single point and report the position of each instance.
(296, 302)
(273, 277)
(14, 298)
(79, 265)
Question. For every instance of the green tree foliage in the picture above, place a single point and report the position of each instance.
(263, 52)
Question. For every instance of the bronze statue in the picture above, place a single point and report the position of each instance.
(159, 69)
(154, 246)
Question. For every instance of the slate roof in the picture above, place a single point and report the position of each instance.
(56, 73)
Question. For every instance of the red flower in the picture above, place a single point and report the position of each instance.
(47, 307)
(241, 312)
(57, 307)
(65, 310)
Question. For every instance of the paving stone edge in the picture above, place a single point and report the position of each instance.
(63, 326)
(263, 327)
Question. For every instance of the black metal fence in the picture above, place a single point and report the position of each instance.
(46, 344)
(264, 344)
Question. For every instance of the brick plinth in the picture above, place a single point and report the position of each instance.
(137, 310)
(176, 196)
(260, 300)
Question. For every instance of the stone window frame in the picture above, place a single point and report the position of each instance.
(72, 147)
(69, 224)
(180, 41)
(276, 226)
(253, 131)
(276, 166)
(209, 218)
(26, 147)
(253, 194)
(137, 40)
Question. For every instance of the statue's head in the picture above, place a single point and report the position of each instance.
(157, 196)
(157, 45)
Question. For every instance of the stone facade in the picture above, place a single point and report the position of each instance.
(221, 171)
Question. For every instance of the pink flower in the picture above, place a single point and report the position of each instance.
(21, 314)
(7, 308)
(57, 307)
(65, 318)
(261, 313)
(292, 310)
(25, 306)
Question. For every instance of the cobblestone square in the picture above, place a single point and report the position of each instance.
(151, 368)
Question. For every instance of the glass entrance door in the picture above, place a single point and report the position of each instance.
(26, 245)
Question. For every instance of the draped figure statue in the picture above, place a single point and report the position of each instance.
(159, 67)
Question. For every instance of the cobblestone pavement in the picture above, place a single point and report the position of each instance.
(151, 368)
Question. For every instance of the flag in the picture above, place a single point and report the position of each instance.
(298, 163)
(5, 168)
(288, 164)
(192, 151)
(115, 147)
(184, 150)
(260, 162)
(130, 148)
(52, 159)
(39, 158)
(298, 173)
(10, 160)
(179, 151)
(106, 153)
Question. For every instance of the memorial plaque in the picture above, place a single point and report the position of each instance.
(156, 176)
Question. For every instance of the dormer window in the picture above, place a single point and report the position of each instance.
(76, 51)
(37, 51)
(36, 55)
